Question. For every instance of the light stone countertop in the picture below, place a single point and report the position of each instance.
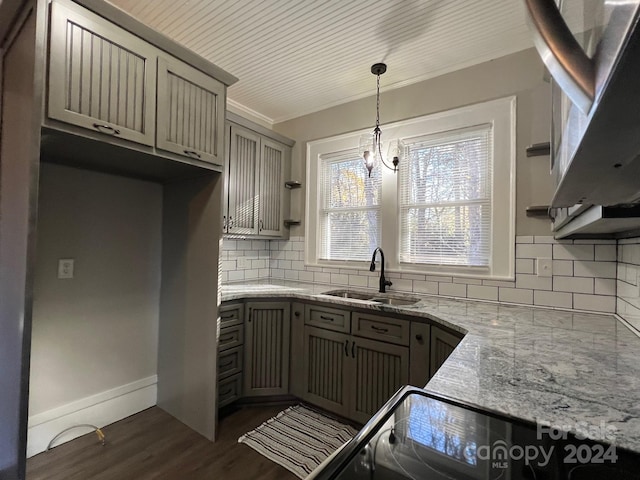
(578, 371)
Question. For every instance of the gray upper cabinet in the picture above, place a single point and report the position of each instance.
(257, 170)
(100, 76)
(243, 185)
(191, 109)
(271, 198)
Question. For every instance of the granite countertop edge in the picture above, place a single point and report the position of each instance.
(576, 371)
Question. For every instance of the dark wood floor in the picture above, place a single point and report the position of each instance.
(153, 445)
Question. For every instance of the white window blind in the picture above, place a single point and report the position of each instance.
(349, 213)
(445, 198)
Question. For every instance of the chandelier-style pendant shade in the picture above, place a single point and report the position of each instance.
(370, 147)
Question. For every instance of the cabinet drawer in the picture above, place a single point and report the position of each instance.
(229, 390)
(231, 315)
(230, 362)
(386, 329)
(329, 318)
(231, 336)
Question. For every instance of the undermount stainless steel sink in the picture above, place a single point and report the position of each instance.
(348, 294)
(396, 301)
(386, 300)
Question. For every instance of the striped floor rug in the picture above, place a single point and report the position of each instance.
(298, 438)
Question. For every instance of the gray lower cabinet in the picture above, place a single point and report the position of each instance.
(443, 344)
(326, 375)
(267, 348)
(351, 376)
(101, 77)
(380, 369)
(230, 353)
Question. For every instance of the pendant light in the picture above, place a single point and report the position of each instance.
(371, 143)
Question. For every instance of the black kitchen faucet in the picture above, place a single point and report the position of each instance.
(384, 283)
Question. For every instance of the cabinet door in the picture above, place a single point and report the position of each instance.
(244, 153)
(100, 76)
(442, 345)
(325, 369)
(267, 347)
(190, 112)
(271, 197)
(379, 370)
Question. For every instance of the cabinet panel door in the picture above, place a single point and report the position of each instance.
(380, 369)
(100, 76)
(325, 368)
(271, 198)
(442, 345)
(190, 112)
(244, 177)
(267, 346)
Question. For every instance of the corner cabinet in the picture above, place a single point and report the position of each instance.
(267, 347)
(190, 112)
(256, 169)
(101, 77)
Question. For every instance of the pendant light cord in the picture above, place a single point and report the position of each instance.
(377, 132)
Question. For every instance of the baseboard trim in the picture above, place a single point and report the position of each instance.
(100, 410)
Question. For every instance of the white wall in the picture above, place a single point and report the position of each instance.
(628, 281)
(520, 74)
(98, 331)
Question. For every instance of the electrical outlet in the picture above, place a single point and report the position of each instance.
(65, 268)
(544, 267)
(242, 263)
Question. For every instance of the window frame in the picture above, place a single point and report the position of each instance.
(501, 114)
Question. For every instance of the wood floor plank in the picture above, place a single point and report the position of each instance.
(152, 445)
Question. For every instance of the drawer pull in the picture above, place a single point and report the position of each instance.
(227, 317)
(226, 338)
(226, 392)
(193, 154)
(228, 364)
(330, 319)
(353, 349)
(346, 348)
(379, 329)
(102, 128)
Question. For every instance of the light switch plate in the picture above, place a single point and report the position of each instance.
(65, 268)
(544, 267)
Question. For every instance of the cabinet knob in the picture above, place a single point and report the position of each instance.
(419, 337)
(297, 314)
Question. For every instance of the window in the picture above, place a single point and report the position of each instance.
(445, 199)
(350, 207)
(449, 210)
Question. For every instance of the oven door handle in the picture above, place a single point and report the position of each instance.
(567, 62)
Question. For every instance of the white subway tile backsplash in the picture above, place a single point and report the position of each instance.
(515, 295)
(533, 282)
(604, 286)
(534, 251)
(321, 277)
(584, 273)
(453, 289)
(562, 267)
(594, 303)
(482, 292)
(425, 287)
(524, 239)
(573, 252)
(553, 299)
(339, 279)
(358, 281)
(524, 265)
(595, 269)
(573, 284)
(605, 253)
